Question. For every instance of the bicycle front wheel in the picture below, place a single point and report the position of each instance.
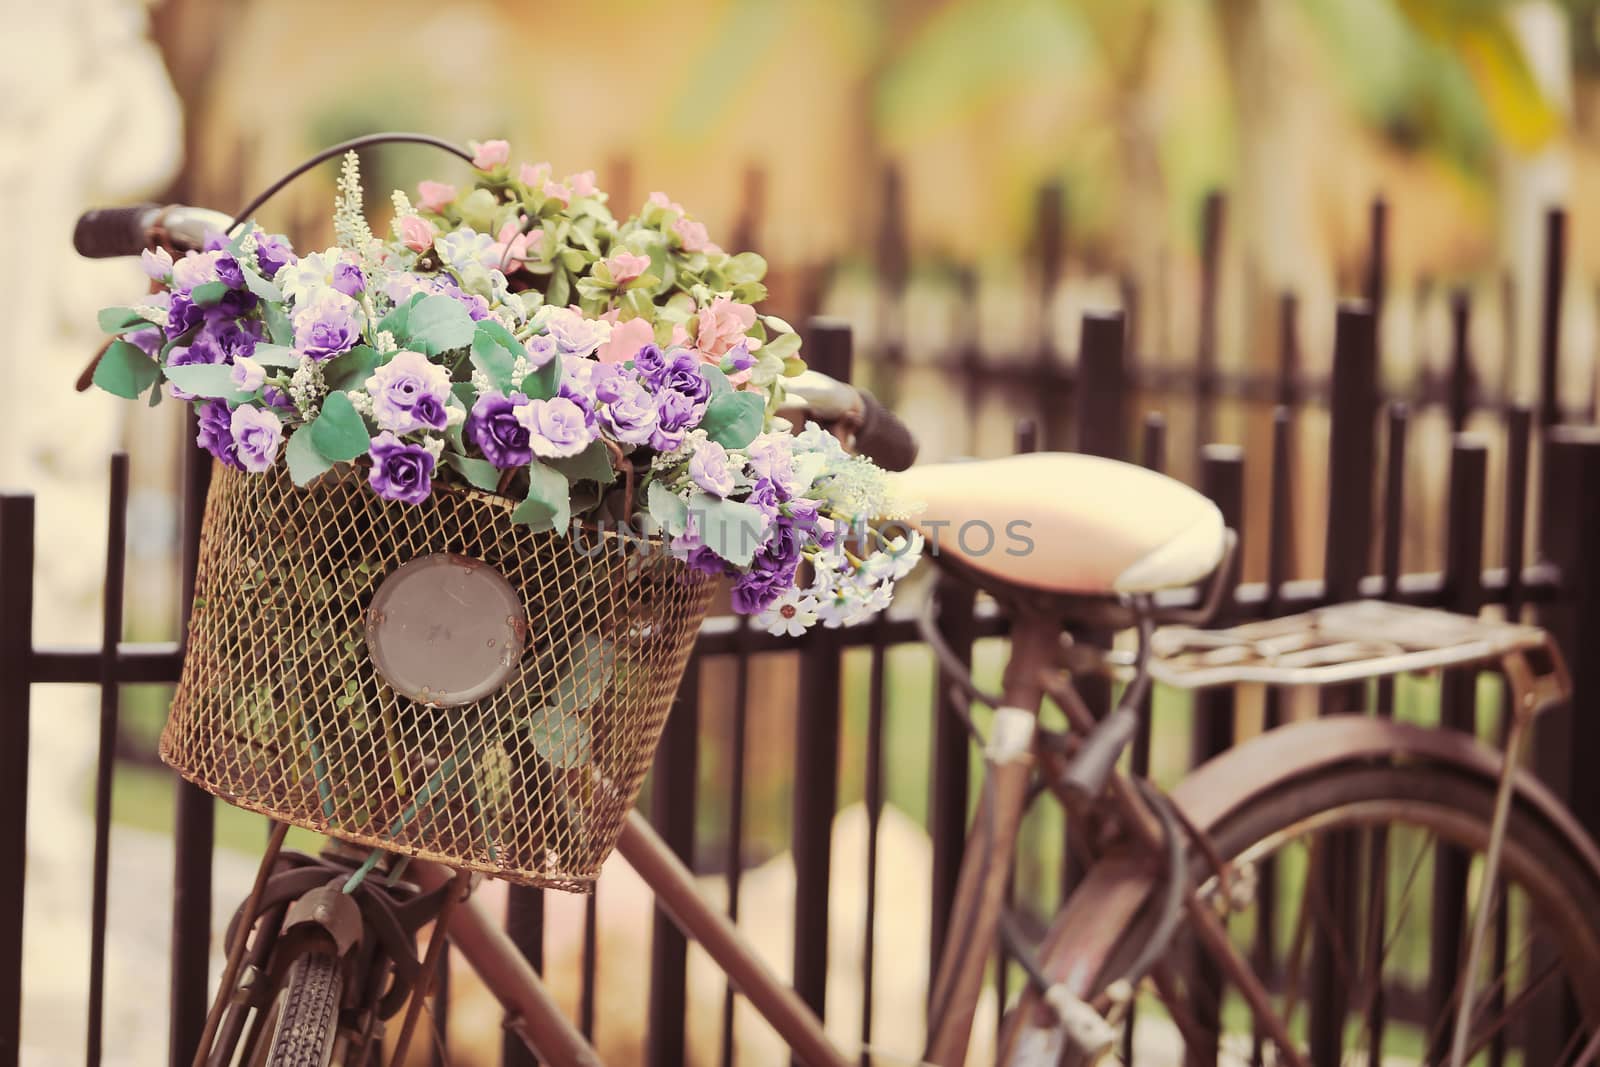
(1351, 901)
(308, 1013)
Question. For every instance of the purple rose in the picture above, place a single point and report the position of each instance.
(229, 272)
(556, 427)
(579, 399)
(676, 415)
(738, 359)
(183, 315)
(234, 302)
(477, 307)
(631, 417)
(327, 326)
(493, 425)
(257, 433)
(683, 376)
(273, 253)
(274, 397)
(710, 469)
(348, 279)
(147, 340)
(801, 513)
(216, 432)
(409, 393)
(608, 381)
(221, 341)
(541, 350)
(400, 471)
(650, 364)
(758, 588)
(573, 333)
(706, 561)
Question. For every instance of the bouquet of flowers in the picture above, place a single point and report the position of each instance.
(514, 337)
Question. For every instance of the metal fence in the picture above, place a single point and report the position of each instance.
(1551, 486)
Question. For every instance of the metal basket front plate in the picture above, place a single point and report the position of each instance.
(280, 709)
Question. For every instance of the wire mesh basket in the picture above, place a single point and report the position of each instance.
(282, 710)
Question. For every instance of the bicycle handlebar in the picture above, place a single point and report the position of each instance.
(107, 232)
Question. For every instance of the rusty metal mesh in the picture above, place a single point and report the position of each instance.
(281, 711)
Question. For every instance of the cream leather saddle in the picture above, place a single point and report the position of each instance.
(1067, 523)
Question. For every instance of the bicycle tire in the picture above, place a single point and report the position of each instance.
(1453, 803)
(308, 1013)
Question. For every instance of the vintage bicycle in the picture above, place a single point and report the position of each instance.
(1297, 836)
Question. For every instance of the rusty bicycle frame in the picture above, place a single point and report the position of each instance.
(1339, 644)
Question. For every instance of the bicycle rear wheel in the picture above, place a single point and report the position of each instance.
(308, 1013)
(1348, 967)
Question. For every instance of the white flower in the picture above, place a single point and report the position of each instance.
(387, 343)
(248, 375)
(455, 415)
(434, 445)
(360, 400)
(196, 268)
(301, 281)
(151, 313)
(792, 614)
(349, 224)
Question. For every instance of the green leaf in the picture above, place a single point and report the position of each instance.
(126, 371)
(593, 464)
(491, 356)
(479, 472)
(339, 432)
(543, 383)
(745, 267)
(278, 327)
(733, 419)
(211, 380)
(719, 381)
(305, 462)
(260, 286)
(121, 320)
(730, 529)
(559, 291)
(350, 370)
(548, 505)
(208, 294)
(439, 323)
(397, 322)
(560, 730)
(276, 356)
(667, 508)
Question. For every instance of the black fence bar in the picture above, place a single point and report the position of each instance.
(672, 803)
(590, 964)
(1555, 280)
(1099, 398)
(1212, 727)
(1461, 383)
(1376, 284)
(816, 759)
(1351, 451)
(1212, 219)
(736, 785)
(949, 781)
(873, 797)
(525, 928)
(110, 635)
(194, 829)
(16, 639)
(1566, 738)
(135, 663)
(1469, 466)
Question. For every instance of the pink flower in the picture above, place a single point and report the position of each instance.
(512, 248)
(625, 266)
(583, 183)
(722, 325)
(533, 175)
(626, 340)
(487, 155)
(417, 233)
(434, 196)
(557, 191)
(680, 336)
(660, 200)
(692, 234)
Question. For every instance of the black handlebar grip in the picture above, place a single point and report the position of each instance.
(883, 437)
(112, 231)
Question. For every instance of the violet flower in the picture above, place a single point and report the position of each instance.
(257, 433)
(400, 471)
(409, 393)
(216, 432)
(494, 427)
(556, 427)
(326, 326)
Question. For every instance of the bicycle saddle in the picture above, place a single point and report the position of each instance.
(1067, 523)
